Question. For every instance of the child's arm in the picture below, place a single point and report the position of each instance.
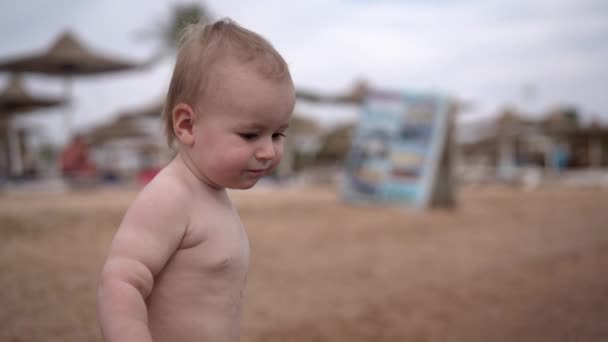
(149, 234)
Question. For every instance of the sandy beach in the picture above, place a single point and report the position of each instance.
(504, 265)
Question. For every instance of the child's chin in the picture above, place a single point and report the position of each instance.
(244, 186)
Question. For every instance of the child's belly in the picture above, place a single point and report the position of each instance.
(198, 295)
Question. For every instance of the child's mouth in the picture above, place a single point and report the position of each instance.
(257, 172)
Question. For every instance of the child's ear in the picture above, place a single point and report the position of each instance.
(183, 122)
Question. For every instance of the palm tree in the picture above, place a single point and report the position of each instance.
(183, 15)
(167, 31)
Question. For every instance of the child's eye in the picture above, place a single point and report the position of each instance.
(248, 136)
(278, 136)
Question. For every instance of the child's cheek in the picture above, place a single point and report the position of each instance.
(279, 154)
(277, 159)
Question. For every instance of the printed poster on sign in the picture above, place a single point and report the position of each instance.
(396, 149)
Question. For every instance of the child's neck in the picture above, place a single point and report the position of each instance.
(189, 169)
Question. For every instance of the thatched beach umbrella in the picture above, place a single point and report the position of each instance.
(15, 100)
(67, 57)
(355, 96)
(153, 110)
(115, 130)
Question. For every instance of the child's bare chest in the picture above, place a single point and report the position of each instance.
(204, 281)
(216, 244)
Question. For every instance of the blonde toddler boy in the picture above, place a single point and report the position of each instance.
(177, 266)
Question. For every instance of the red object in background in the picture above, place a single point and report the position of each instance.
(75, 160)
(145, 176)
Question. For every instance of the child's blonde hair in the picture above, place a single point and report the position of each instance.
(200, 47)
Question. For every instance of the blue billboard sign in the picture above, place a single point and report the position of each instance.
(396, 149)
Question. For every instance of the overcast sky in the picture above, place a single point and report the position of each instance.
(488, 52)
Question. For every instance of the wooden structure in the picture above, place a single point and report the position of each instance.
(555, 142)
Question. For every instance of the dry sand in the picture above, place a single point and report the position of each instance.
(505, 265)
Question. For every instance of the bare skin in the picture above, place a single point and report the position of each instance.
(179, 284)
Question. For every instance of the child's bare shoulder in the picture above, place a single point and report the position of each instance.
(164, 196)
(152, 229)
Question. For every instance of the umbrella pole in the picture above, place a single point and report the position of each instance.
(14, 149)
(68, 115)
(5, 163)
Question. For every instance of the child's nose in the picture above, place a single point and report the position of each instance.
(266, 151)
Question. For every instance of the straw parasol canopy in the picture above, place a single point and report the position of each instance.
(115, 130)
(67, 57)
(355, 96)
(153, 110)
(14, 99)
